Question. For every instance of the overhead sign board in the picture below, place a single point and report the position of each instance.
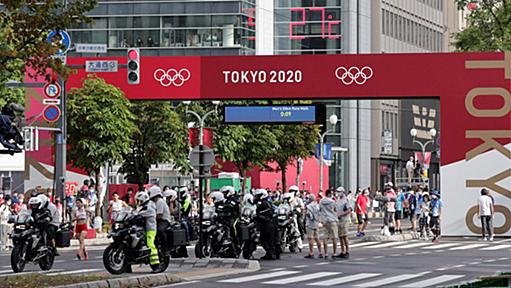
(273, 114)
(90, 48)
(101, 66)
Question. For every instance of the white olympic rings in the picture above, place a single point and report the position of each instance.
(354, 74)
(172, 77)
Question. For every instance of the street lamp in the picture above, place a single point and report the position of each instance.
(333, 120)
(202, 120)
(432, 132)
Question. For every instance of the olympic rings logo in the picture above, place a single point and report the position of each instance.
(172, 77)
(354, 74)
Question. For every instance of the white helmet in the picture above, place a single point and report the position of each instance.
(288, 197)
(154, 191)
(261, 193)
(228, 191)
(44, 200)
(183, 190)
(217, 196)
(35, 203)
(248, 199)
(170, 195)
(340, 190)
(142, 197)
(293, 189)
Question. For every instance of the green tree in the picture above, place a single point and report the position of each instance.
(488, 26)
(294, 141)
(24, 26)
(246, 147)
(162, 137)
(100, 125)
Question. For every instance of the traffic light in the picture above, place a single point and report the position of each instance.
(133, 66)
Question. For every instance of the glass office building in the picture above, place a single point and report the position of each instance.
(172, 27)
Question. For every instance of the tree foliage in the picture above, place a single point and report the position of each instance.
(488, 26)
(100, 124)
(162, 137)
(294, 141)
(24, 26)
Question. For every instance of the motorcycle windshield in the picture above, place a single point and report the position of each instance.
(24, 217)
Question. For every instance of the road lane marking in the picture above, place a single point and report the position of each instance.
(322, 263)
(378, 257)
(277, 269)
(433, 281)
(390, 280)
(82, 271)
(363, 244)
(179, 284)
(467, 247)
(301, 266)
(441, 246)
(302, 278)
(258, 277)
(498, 247)
(383, 245)
(413, 245)
(345, 279)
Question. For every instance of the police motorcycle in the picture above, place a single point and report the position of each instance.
(217, 234)
(29, 239)
(249, 231)
(287, 227)
(129, 246)
(207, 223)
(177, 231)
(11, 122)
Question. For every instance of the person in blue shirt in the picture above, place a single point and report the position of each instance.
(399, 209)
(436, 213)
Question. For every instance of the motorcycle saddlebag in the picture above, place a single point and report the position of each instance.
(177, 237)
(63, 238)
(244, 232)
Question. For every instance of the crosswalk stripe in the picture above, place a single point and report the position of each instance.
(467, 247)
(362, 244)
(498, 247)
(441, 246)
(73, 272)
(345, 279)
(432, 281)
(302, 278)
(390, 280)
(413, 245)
(258, 277)
(383, 245)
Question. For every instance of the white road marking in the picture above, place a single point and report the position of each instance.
(413, 245)
(411, 253)
(378, 257)
(179, 284)
(258, 277)
(301, 266)
(395, 255)
(360, 259)
(433, 281)
(322, 263)
(277, 269)
(441, 246)
(490, 260)
(302, 278)
(82, 271)
(386, 244)
(458, 266)
(474, 263)
(467, 247)
(363, 244)
(498, 247)
(345, 279)
(503, 259)
(390, 280)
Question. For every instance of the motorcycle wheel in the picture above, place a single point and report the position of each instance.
(247, 251)
(204, 251)
(17, 258)
(115, 260)
(164, 262)
(47, 261)
(293, 248)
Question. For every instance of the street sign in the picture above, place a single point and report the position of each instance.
(90, 48)
(52, 90)
(208, 157)
(100, 66)
(62, 38)
(51, 113)
(51, 101)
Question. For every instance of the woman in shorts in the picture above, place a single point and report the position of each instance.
(80, 217)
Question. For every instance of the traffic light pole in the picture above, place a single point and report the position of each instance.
(60, 148)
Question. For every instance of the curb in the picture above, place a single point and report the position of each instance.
(134, 281)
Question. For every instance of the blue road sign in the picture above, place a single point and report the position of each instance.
(327, 151)
(63, 39)
(51, 113)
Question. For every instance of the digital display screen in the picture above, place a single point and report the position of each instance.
(271, 114)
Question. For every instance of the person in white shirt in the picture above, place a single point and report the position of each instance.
(115, 206)
(486, 212)
(5, 213)
(410, 166)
